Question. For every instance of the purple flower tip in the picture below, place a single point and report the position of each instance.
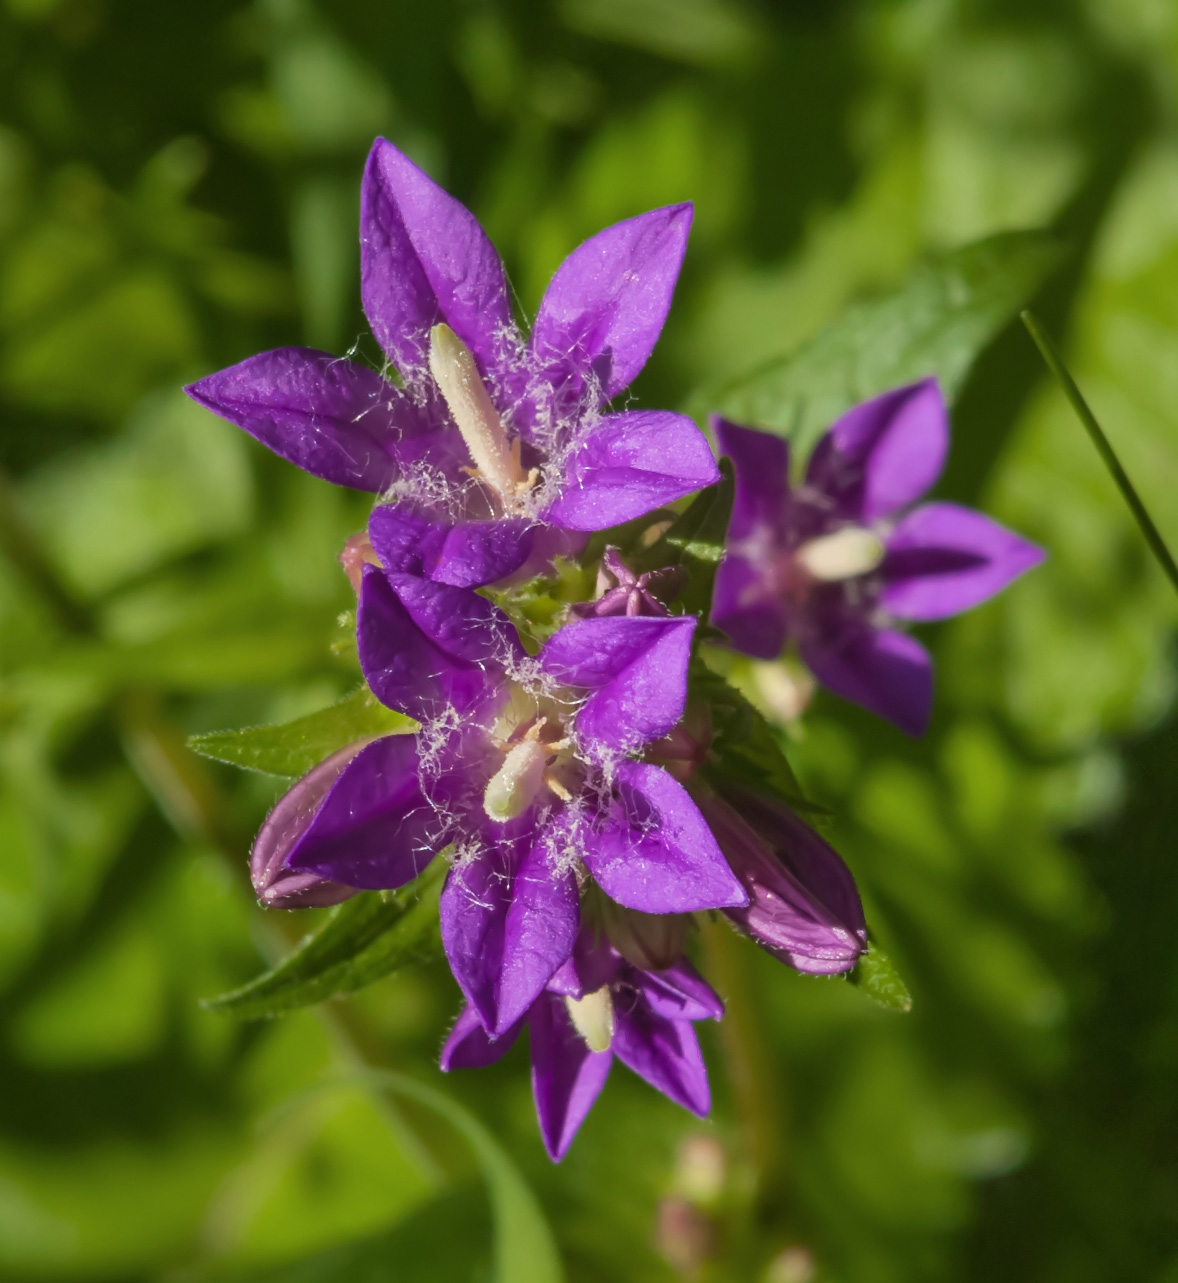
(276, 885)
(803, 906)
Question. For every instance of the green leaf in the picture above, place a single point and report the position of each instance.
(293, 748)
(363, 939)
(877, 976)
(745, 747)
(695, 542)
(936, 323)
(525, 1251)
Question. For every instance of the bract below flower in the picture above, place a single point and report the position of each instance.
(524, 767)
(595, 1008)
(831, 563)
(528, 420)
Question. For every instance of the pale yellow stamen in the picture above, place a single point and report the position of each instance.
(514, 786)
(845, 554)
(496, 461)
(593, 1018)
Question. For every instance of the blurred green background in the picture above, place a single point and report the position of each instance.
(178, 190)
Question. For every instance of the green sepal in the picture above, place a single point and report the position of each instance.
(936, 323)
(694, 542)
(293, 748)
(362, 940)
(876, 975)
(745, 749)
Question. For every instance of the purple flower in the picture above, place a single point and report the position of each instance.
(493, 449)
(598, 1006)
(831, 563)
(524, 767)
(803, 905)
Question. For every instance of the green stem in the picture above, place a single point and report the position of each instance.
(1152, 535)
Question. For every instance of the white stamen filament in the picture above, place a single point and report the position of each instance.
(514, 786)
(458, 379)
(844, 554)
(593, 1018)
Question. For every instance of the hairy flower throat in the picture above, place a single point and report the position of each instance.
(496, 461)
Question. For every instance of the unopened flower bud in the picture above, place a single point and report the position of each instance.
(649, 941)
(356, 554)
(277, 886)
(803, 905)
(686, 1236)
(630, 594)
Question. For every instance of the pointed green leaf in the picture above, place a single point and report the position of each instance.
(695, 542)
(363, 939)
(293, 748)
(877, 976)
(525, 1250)
(937, 322)
(745, 747)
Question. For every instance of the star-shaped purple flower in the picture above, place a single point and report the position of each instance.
(597, 1007)
(524, 767)
(830, 564)
(494, 451)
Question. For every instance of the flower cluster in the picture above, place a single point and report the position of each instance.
(566, 771)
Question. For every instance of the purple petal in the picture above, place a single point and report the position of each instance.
(592, 964)
(803, 905)
(748, 600)
(425, 259)
(943, 559)
(469, 1046)
(664, 1052)
(605, 307)
(275, 884)
(630, 464)
(636, 667)
(883, 454)
(566, 1076)
(654, 851)
(465, 554)
(376, 828)
(749, 605)
(540, 932)
(887, 672)
(464, 624)
(678, 993)
(760, 461)
(329, 416)
(508, 922)
(406, 669)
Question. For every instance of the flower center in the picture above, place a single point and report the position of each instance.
(536, 753)
(593, 1018)
(496, 461)
(843, 554)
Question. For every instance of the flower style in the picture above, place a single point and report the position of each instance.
(595, 1007)
(492, 450)
(524, 767)
(829, 564)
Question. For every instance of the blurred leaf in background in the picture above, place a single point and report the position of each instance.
(178, 190)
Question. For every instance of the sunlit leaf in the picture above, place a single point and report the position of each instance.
(936, 323)
(745, 747)
(362, 940)
(695, 542)
(876, 975)
(293, 748)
